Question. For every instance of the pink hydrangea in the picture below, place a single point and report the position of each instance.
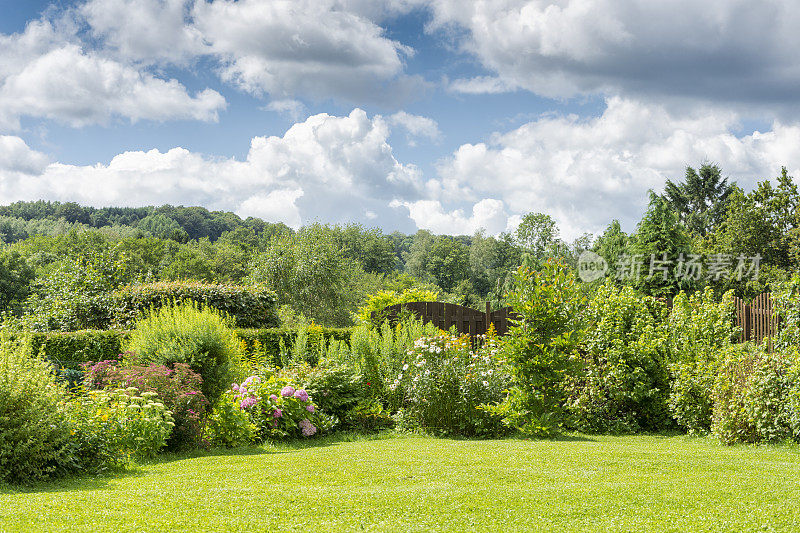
(310, 408)
(273, 397)
(307, 427)
(301, 395)
(277, 413)
(287, 391)
(248, 402)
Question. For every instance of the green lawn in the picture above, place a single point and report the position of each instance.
(388, 483)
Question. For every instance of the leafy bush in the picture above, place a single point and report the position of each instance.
(267, 406)
(336, 388)
(274, 346)
(541, 347)
(252, 306)
(34, 435)
(752, 396)
(178, 387)
(69, 350)
(110, 427)
(445, 385)
(623, 384)
(196, 336)
(370, 311)
(229, 425)
(699, 330)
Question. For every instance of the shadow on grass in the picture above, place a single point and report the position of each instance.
(72, 483)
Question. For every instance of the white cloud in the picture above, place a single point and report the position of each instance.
(327, 167)
(415, 126)
(480, 85)
(585, 172)
(487, 214)
(43, 74)
(289, 107)
(309, 47)
(145, 30)
(714, 49)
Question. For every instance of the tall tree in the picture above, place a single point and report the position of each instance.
(701, 199)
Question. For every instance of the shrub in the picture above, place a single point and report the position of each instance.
(699, 329)
(371, 311)
(251, 306)
(445, 386)
(623, 383)
(336, 388)
(229, 425)
(69, 350)
(280, 409)
(178, 387)
(541, 347)
(752, 396)
(111, 427)
(196, 336)
(272, 346)
(34, 435)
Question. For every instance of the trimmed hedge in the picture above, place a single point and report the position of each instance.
(250, 306)
(68, 350)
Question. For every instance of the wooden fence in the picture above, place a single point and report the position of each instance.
(756, 319)
(467, 321)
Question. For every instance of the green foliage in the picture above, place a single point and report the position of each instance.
(179, 388)
(541, 347)
(700, 331)
(69, 350)
(337, 388)
(76, 295)
(34, 436)
(445, 387)
(250, 306)
(371, 310)
(188, 333)
(309, 271)
(659, 236)
(15, 279)
(263, 346)
(111, 427)
(229, 425)
(752, 396)
(623, 385)
(701, 199)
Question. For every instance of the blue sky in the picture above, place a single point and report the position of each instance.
(405, 114)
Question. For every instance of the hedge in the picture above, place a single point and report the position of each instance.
(68, 350)
(251, 306)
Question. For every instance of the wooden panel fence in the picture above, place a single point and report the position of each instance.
(466, 320)
(756, 319)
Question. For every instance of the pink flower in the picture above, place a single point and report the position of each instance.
(273, 397)
(307, 427)
(277, 413)
(287, 391)
(310, 408)
(301, 395)
(248, 402)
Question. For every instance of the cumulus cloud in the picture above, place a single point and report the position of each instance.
(289, 107)
(716, 49)
(336, 169)
(44, 74)
(487, 214)
(307, 47)
(416, 126)
(584, 172)
(145, 30)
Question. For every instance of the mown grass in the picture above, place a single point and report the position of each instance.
(409, 483)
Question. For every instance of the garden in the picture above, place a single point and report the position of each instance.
(602, 408)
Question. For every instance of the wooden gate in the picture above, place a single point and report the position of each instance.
(757, 319)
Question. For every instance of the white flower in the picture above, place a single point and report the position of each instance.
(490, 372)
(405, 367)
(485, 383)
